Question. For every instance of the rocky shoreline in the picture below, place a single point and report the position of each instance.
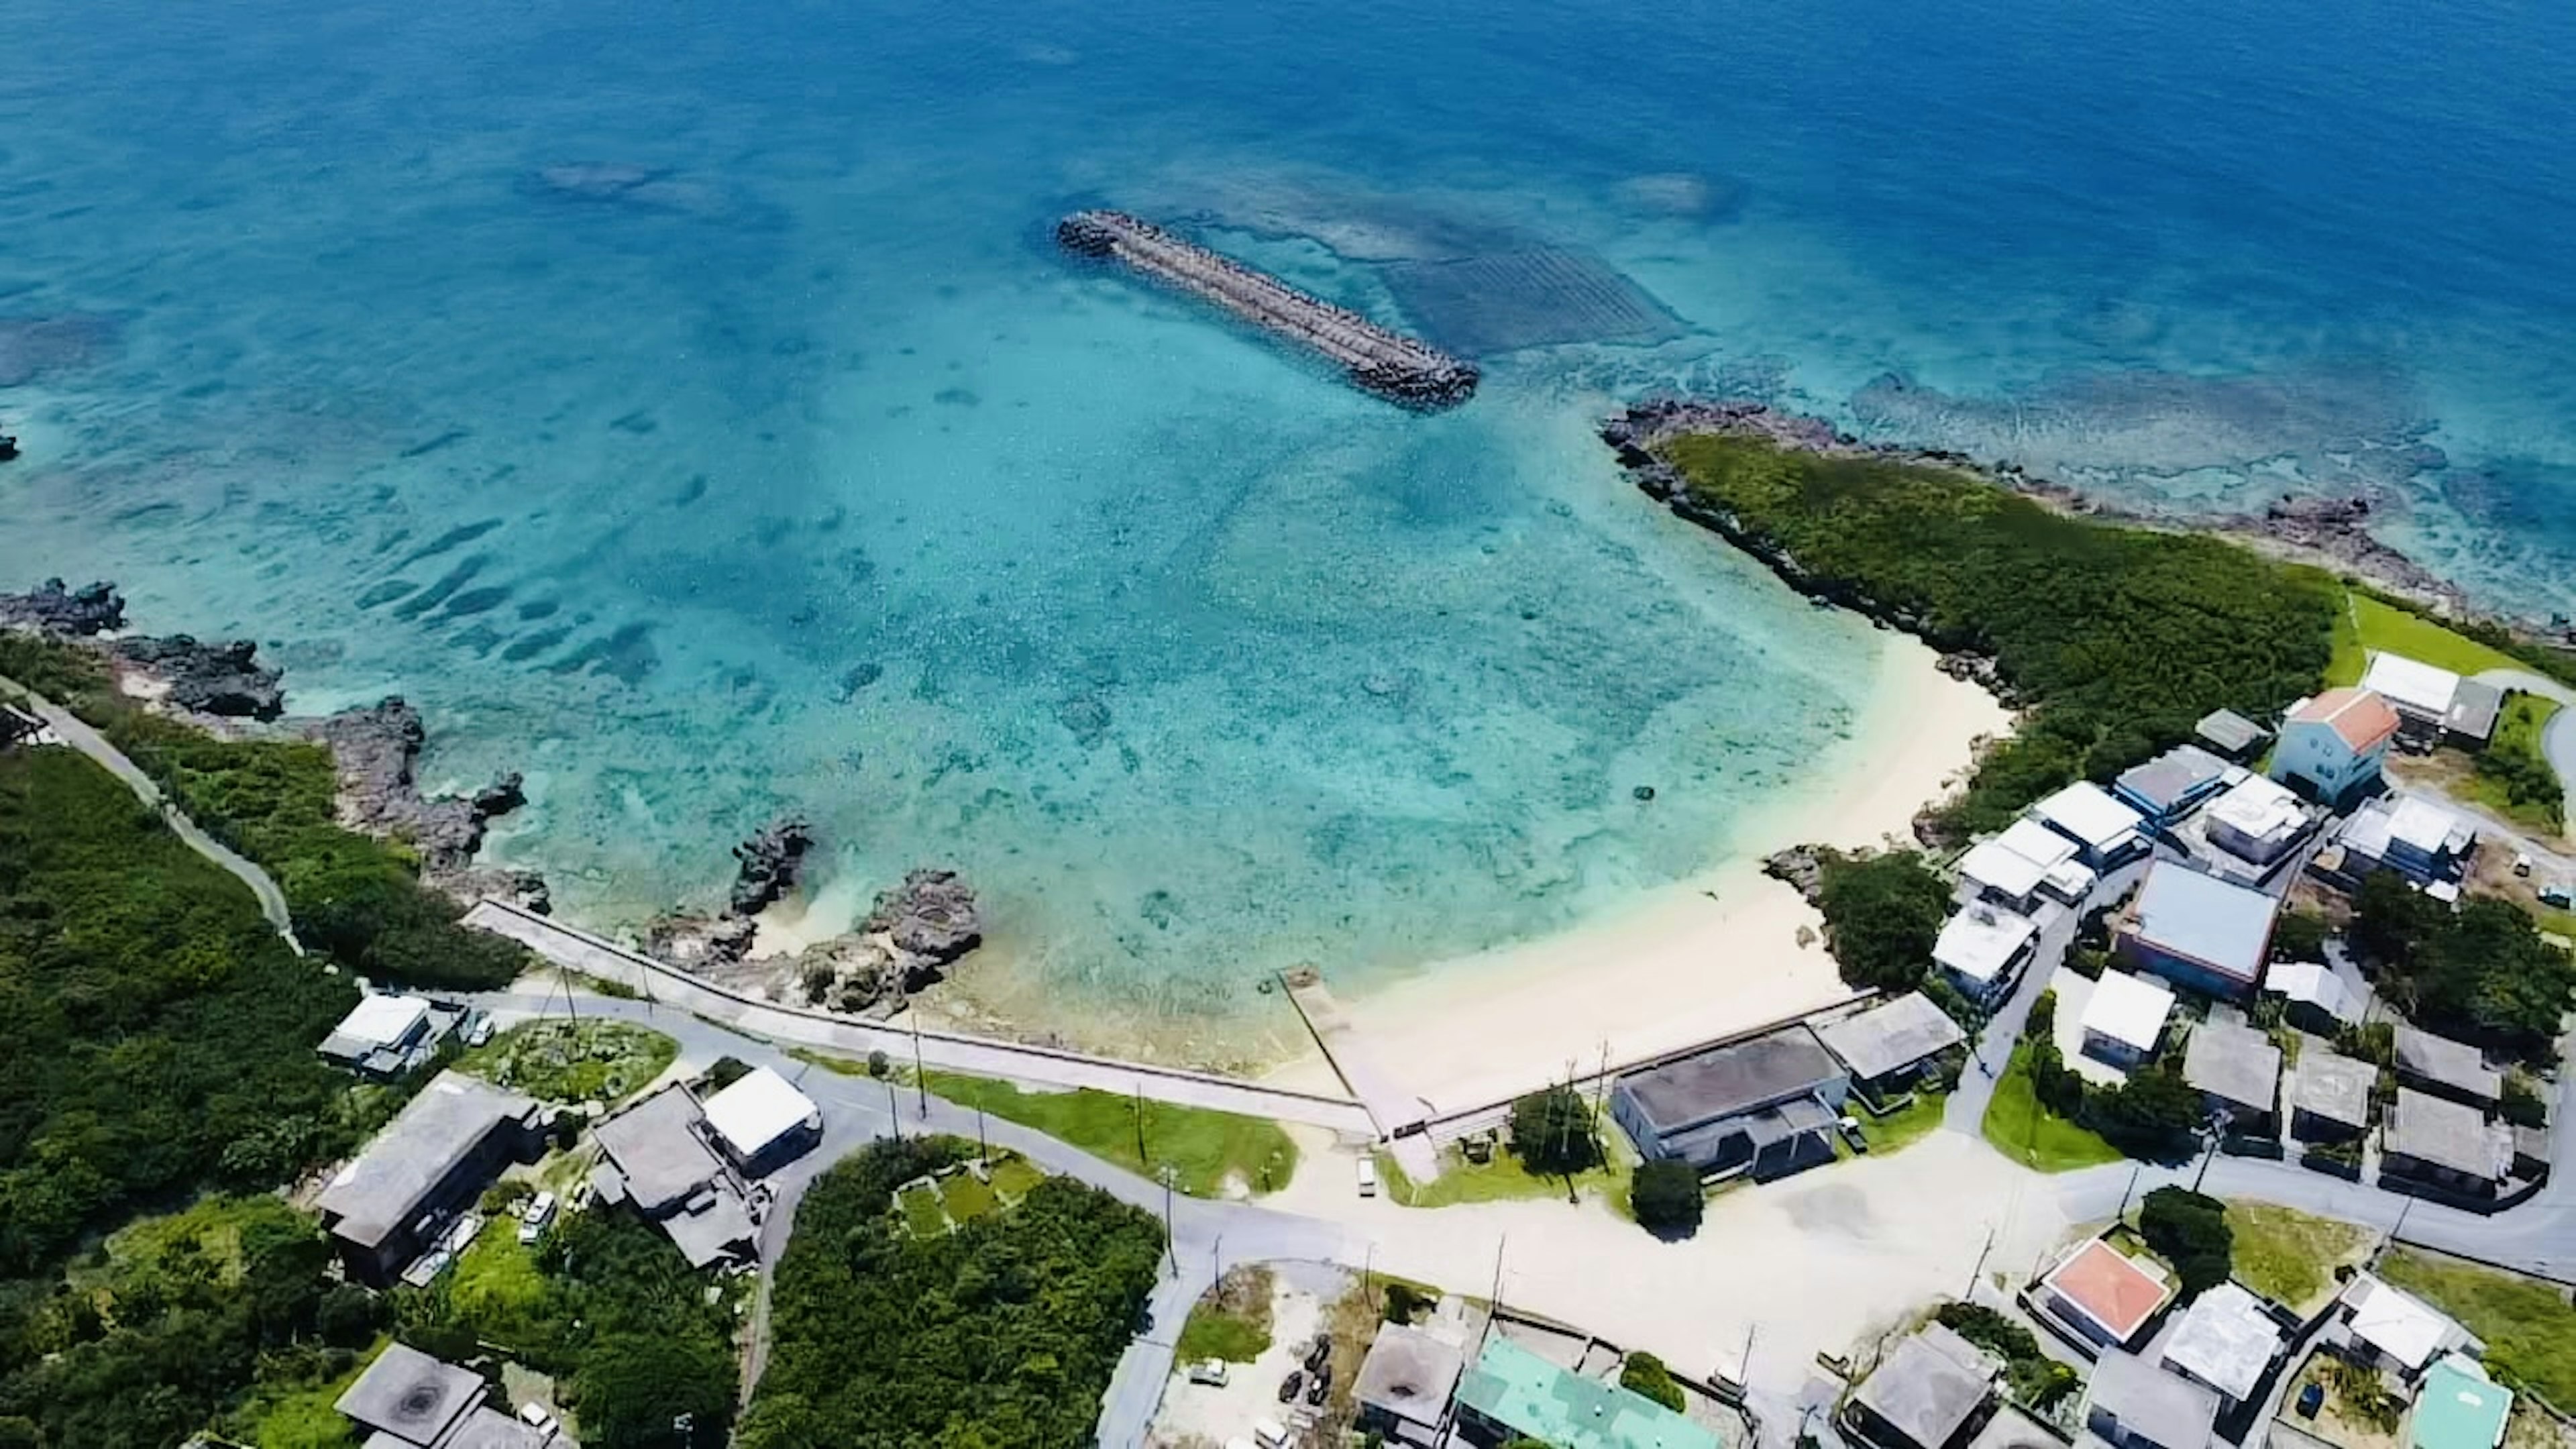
(915, 932)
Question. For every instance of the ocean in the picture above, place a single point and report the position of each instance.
(684, 403)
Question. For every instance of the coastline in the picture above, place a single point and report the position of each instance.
(1717, 953)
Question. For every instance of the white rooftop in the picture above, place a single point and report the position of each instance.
(2033, 841)
(1998, 867)
(2259, 807)
(2129, 1009)
(2316, 985)
(2087, 812)
(2411, 684)
(383, 1020)
(758, 1110)
(2073, 879)
(2396, 1324)
(2423, 825)
(2225, 1340)
(1980, 941)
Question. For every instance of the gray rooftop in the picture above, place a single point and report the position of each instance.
(2174, 778)
(658, 1151)
(383, 1187)
(2219, 924)
(2448, 1134)
(2166, 1408)
(1891, 1036)
(489, 1428)
(2456, 1065)
(2231, 732)
(1410, 1374)
(410, 1397)
(1930, 1386)
(714, 1226)
(2474, 708)
(2235, 1062)
(1729, 1080)
(2225, 1340)
(2336, 1088)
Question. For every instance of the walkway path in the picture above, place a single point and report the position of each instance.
(599, 957)
(72, 732)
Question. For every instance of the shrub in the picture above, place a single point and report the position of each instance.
(1645, 1375)
(1665, 1197)
(2299, 936)
(2191, 1231)
(1552, 1131)
(1882, 915)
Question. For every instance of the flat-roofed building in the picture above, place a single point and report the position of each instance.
(761, 1121)
(2226, 1340)
(2313, 997)
(2414, 837)
(2237, 1070)
(660, 1163)
(2421, 693)
(1767, 1105)
(1406, 1384)
(2197, 931)
(2026, 864)
(1983, 949)
(2131, 1404)
(2393, 1330)
(410, 1398)
(1511, 1392)
(2231, 734)
(445, 1146)
(1930, 1392)
(385, 1036)
(2334, 744)
(2444, 1144)
(2173, 784)
(1889, 1046)
(2330, 1095)
(2102, 1295)
(2256, 820)
(2474, 711)
(2459, 1407)
(2124, 1019)
(2106, 833)
(2446, 1068)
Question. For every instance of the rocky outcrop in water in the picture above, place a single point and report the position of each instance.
(374, 749)
(904, 945)
(219, 679)
(699, 943)
(768, 859)
(931, 917)
(2337, 530)
(72, 613)
(1802, 867)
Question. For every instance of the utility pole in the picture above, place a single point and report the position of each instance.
(981, 1140)
(1171, 1249)
(894, 1114)
(1142, 1156)
(1601, 1083)
(1744, 1370)
(1978, 1273)
(2125, 1193)
(920, 1074)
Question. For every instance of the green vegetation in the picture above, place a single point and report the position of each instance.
(2299, 935)
(608, 1308)
(1905, 1126)
(1232, 1320)
(64, 673)
(284, 1413)
(1002, 1333)
(2368, 621)
(2190, 1231)
(1666, 1198)
(2033, 1135)
(2529, 1329)
(1645, 1375)
(1502, 1177)
(2031, 1376)
(1553, 1132)
(1206, 1150)
(2512, 777)
(158, 1037)
(2482, 973)
(1013, 1176)
(2290, 1257)
(924, 1215)
(1882, 915)
(966, 1197)
(573, 1061)
(2119, 639)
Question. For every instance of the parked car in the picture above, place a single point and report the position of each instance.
(1289, 1386)
(1368, 1177)
(1208, 1371)
(2311, 1399)
(1317, 1352)
(540, 1214)
(1270, 1433)
(478, 1029)
(1320, 1386)
(536, 1417)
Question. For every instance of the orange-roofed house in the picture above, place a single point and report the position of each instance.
(2332, 745)
(2104, 1296)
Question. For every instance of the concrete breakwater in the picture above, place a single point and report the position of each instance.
(1400, 369)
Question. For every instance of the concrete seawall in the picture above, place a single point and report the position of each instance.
(1404, 371)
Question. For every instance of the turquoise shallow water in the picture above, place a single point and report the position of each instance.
(685, 404)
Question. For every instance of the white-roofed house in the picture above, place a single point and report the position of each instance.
(2257, 820)
(2394, 1330)
(2106, 833)
(1983, 948)
(2226, 1340)
(2028, 860)
(761, 1121)
(2124, 1019)
(2421, 692)
(385, 1036)
(2315, 998)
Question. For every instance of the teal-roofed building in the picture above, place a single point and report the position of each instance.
(1512, 1392)
(2459, 1407)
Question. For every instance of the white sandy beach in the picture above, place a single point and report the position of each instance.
(1709, 956)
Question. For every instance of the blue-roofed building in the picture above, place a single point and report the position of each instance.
(2173, 784)
(2199, 932)
(1512, 1393)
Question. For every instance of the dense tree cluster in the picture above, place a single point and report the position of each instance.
(2191, 1231)
(2118, 639)
(1552, 1131)
(1665, 1197)
(2481, 972)
(1645, 1375)
(2152, 1115)
(1001, 1335)
(1882, 915)
(2035, 1378)
(155, 1036)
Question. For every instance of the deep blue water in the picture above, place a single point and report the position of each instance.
(627, 382)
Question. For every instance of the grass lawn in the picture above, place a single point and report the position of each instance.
(1013, 1177)
(922, 1212)
(1232, 1321)
(298, 1416)
(968, 1198)
(1898, 1129)
(2518, 728)
(1503, 1177)
(2289, 1256)
(497, 1285)
(1207, 1149)
(2368, 624)
(573, 1061)
(2529, 1329)
(2030, 1134)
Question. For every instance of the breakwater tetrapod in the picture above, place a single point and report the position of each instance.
(1400, 369)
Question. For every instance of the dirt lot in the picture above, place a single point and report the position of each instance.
(1206, 1416)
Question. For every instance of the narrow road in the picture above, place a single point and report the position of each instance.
(67, 726)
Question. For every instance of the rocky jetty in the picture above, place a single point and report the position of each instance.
(219, 679)
(768, 860)
(93, 608)
(375, 749)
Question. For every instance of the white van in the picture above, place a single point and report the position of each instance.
(540, 1213)
(1368, 1177)
(1270, 1434)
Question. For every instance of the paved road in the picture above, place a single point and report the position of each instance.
(272, 901)
(2558, 741)
(1966, 1109)
(599, 957)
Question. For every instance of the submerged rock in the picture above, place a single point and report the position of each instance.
(769, 859)
(221, 679)
(77, 613)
